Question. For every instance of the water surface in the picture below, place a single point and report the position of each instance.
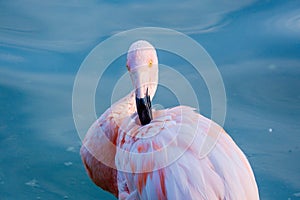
(255, 44)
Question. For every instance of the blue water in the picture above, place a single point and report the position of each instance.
(255, 44)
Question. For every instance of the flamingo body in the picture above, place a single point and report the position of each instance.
(161, 160)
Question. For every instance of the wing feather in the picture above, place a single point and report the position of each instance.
(99, 145)
(223, 174)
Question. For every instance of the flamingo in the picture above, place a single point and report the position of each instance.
(135, 152)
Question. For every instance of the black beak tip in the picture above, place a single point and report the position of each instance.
(144, 109)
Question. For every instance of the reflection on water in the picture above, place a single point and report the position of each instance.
(254, 44)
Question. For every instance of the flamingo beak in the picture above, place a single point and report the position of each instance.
(144, 110)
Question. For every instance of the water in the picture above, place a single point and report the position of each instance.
(255, 44)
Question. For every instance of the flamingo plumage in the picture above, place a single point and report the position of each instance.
(135, 152)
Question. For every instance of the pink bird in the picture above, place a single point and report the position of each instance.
(135, 152)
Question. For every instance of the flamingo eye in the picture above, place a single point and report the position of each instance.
(150, 63)
(127, 67)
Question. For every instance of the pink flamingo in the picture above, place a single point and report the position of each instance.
(136, 153)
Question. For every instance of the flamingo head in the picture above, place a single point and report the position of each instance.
(142, 64)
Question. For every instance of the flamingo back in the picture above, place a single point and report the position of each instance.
(162, 161)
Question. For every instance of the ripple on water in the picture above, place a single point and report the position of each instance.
(297, 194)
(261, 87)
(32, 183)
(68, 163)
(287, 22)
(71, 149)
